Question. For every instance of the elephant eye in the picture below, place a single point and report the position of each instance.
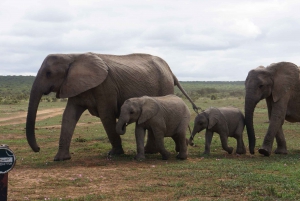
(261, 86)
(131, 112)
(48, 74)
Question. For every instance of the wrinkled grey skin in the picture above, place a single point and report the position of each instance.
(166, 116)
(100, 84)
(279, 85)
(226, 121)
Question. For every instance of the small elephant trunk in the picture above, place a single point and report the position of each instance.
(191, 143)
(121, 127)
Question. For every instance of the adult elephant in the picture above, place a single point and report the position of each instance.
(99, 83)
(279, 84)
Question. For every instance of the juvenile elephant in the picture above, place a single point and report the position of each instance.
(279, 84)
(99, 83)
(226, 121)
(166, 116)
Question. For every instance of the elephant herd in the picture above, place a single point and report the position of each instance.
(139, 88)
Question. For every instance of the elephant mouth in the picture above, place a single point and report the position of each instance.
(49, 91)
(124, 126)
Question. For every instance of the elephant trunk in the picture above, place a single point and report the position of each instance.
(34, 101)
(121, 127)
(191, 143)
(249, 110)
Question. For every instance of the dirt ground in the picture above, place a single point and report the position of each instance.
(20, 118)
(98, 175)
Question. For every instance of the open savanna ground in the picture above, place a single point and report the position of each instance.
(92, 175)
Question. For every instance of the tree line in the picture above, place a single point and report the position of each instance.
(14, 89)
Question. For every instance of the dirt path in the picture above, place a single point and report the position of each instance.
(20, 117)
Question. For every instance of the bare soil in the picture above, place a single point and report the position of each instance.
(20, 117)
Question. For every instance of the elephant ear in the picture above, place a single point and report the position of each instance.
(85, 72)
(285, 76)
(213, 117)
(216, 116)
(149, 109)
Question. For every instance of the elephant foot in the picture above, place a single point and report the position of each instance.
(264, 152)
(165, 156)
(241, 151)
(116, 151)
(229, 150)
(182, 156)
(280, 151)
(140, 157)
(61, 156)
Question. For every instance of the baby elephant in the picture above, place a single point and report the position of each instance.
(166, 116)
(227, 121)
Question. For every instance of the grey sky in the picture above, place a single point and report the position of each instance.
(200, 40)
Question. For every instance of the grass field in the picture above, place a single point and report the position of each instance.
(92, 175)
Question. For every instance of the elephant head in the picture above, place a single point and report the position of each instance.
(66, 74)
(206, 120)
(271, 83)
(136, 110)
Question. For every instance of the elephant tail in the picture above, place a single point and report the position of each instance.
(176, 83)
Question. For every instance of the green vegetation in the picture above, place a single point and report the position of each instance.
(213, 90)
(14, 89)
(92, 175)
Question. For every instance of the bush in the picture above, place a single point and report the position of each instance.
(213, 97)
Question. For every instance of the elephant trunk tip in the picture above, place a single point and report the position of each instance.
(251, 150)
(121, 128)
(191, 143)
(36, 149)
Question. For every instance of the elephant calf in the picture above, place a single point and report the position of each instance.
(165, 116)
(227, 121)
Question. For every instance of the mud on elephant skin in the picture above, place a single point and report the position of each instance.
(226, 121)
(279, 85)
(166, 116)
(100, 84)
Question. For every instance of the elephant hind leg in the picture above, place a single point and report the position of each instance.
(159, 139)
(240, 148)
(224, 141)
(151, 147)
(181, 146)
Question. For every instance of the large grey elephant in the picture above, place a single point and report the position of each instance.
(99, 83)
(279, 84)
(226, 121)
(164, 116)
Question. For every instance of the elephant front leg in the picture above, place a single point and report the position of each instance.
(275, 127)
(208, 137)
(70, 118)
(281, 143)
(277, 112)
(109, 123)
(139, 137)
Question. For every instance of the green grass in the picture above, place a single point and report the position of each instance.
(92, 175)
